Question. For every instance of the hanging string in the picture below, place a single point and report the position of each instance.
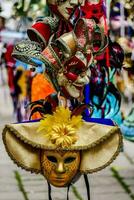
(87, 186)
(49, 191)
(68, 191)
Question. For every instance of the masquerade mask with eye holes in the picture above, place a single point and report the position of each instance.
(60, 167)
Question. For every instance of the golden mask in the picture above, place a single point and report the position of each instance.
(60, 167)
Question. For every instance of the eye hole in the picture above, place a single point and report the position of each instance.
(69, 159)
(95, 11)
(60, 1)
(52, 159)
(75, 70)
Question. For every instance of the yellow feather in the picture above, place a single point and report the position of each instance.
(76, 121)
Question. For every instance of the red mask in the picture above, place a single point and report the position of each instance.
(95, 11)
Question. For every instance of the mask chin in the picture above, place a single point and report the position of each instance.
(73, 91)
(69, 90)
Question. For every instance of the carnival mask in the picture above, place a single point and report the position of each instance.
(93, 9)
(64, 7)
(75, 76)
(60, 167)
(73, 88)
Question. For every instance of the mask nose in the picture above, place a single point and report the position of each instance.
(60, 168)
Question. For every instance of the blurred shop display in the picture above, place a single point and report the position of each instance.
(9, 35)
(17, 17)
(127, 127)
(122, 31)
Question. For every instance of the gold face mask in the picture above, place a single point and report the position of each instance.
(60, 167)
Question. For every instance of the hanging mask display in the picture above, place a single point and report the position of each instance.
(67, 60)
(61, 145)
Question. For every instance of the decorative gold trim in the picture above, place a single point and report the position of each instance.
(102, 47)
(52, 22)
(48, 62)
(85, 32)
(33, 144)
(55, 55)
(89, 42)
(32, 170)
(25, 50)
(27, 58)
(109, 162)
(66, 48)
(59, 64)
(38, 34)
(70, 45)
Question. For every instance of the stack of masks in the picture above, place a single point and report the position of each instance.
(62, 145)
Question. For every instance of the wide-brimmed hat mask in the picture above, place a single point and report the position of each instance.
(62, 146)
